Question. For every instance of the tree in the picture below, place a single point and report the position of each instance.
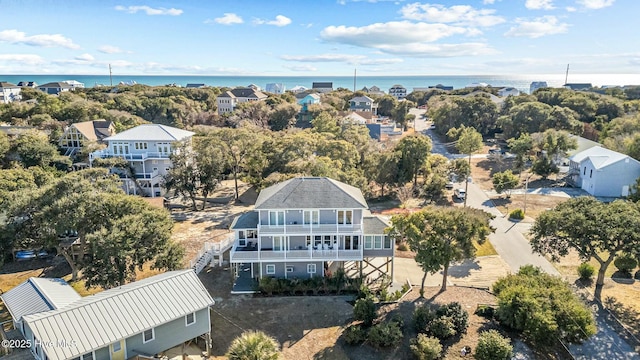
(382, 169)
(555, 143)
(493, 346)
(117, 233)
(435, 176)
(325, 123)
(4, 145)
(544, 167)
(401, 112)
(593, 229)
(413, 151)
(520, 147)
(238, 147)
(442, 236)
(460, 168)
(505, 181)
(33, 149)
(543, 307)
(284, 116)
(468, 142)
(253, 345)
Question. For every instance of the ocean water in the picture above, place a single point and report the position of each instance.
(520, 82)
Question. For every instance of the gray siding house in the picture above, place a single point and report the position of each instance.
(603, 172)
(142, 318)
(304, 227)
(363, 104)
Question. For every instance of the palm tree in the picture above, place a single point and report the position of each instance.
(254, 345)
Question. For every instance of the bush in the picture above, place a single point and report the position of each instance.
(625, 263)
(486, 311)
(422, 316)
(426, 347)
(399, 320)
(386, 334)
(586, 271)
(355, 334)
(365, 310)
(442, 328)
(459, 317)
(403, 247)
(517, 214)
(493, 346)
(253, 345)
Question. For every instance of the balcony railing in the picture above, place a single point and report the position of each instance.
(106, 153)
(309, 228)
(295, 255)
(150, 175)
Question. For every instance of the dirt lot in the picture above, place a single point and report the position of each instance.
(535, 203)
(310, 327)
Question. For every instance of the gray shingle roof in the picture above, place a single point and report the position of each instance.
(119, 313)
(58, 84)
(151, 132)
(362, 99)
(248, 220)
(37, 295)
(4, 84)
(311, 193)
(373, 225)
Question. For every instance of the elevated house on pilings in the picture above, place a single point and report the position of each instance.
(310, 227)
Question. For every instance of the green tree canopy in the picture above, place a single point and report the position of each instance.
(441, 236)
(413, 151)
(504, 181)
(593, 229)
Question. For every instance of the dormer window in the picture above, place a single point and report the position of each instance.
(140, 146)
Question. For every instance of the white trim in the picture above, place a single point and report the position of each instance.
(153, 335)
(186, 319)
(267, 266)
(310, 267)
(289, 268)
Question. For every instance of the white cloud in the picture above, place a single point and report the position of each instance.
(539, 4)
(109, 49)
(488, 2)
(457, 14)
(279, 21)
(43, 40)
(301, 68)
(227, 19)
(85, 57)
(571, 9)
(595, 4)
(439, 50)
(543, 26)
(346, 58)
(149, 10)
(24, 59)
(396, 32)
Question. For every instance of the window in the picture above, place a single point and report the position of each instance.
(190, 319)
(387, 242)
(311, 268)
(368, 242)
(345, 217)
(147, 335)
(289, 269)
(279, 243)
(87, 356)
(377, 242)
(276, 218)
(311, 217)
(140, 146)
(308, 242)
(590, 173)
(271, 269)
(116, 346)
(585, 171)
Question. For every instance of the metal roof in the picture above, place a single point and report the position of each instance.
(98, 320)
(37, 295)
(311, 193)
(601, 157)
(151, 132)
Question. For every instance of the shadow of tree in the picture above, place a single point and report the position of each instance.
(629, 316)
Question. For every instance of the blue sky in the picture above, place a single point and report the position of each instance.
(322, 37)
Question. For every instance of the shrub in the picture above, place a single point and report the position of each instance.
(442, 328)
(586, 271)
(253, 345)
(625, 263)
(422, 316)
(403, 247)
(385, 334)
(517, 214)
(459, 317)
(399, 320)
(355, 334)
(486, 311)
(493, 346)
(426, 347)
(365, 310)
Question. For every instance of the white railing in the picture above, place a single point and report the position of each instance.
(210, 251)
(107, 153)
(309, 228)
(295, 255)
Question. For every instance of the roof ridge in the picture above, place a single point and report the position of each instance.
(333, 181)
(41, 292)
(91, 299)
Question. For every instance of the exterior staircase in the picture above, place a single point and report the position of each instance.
(212, 253)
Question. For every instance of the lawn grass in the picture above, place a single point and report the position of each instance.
(484, 249)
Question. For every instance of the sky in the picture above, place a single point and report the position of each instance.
(319, 37)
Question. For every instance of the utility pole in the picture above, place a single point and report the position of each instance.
(566, 76)
(526, 187)
(354, 80)
(110, 76)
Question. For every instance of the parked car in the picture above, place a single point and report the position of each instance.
(460, 194)
(449, 185)
(24, 255)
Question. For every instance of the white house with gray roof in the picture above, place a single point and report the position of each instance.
(363, 104)
(144, 318)
(305, 226)
(228, 100)
(147, 149)
(9, 92)
(603, 172)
